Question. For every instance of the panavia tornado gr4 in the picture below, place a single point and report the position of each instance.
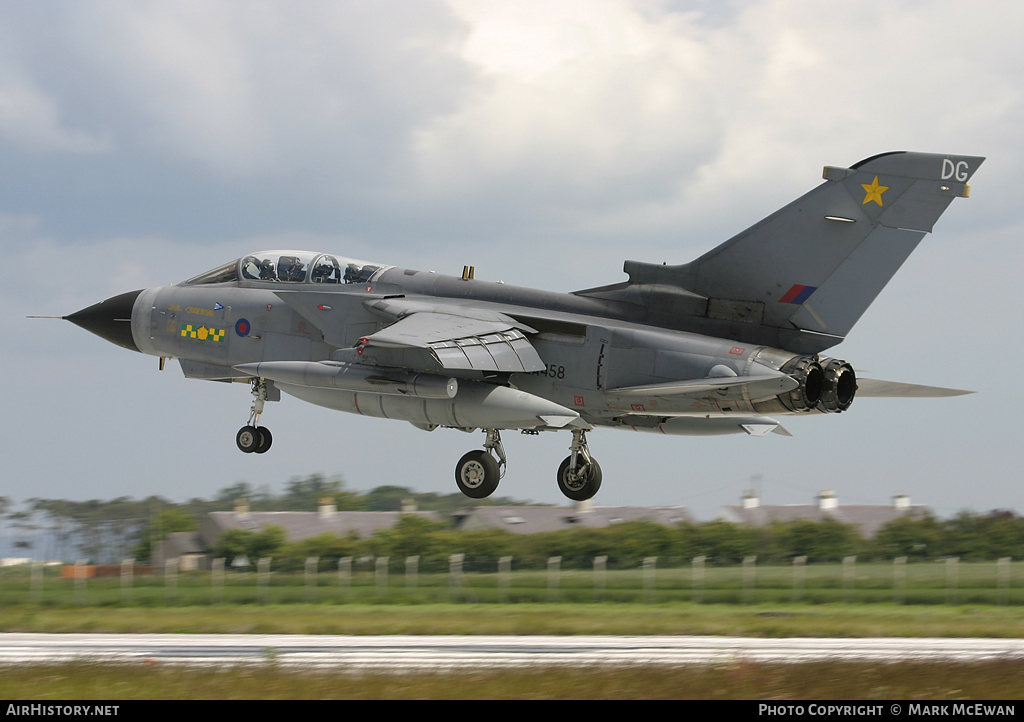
(721, 345)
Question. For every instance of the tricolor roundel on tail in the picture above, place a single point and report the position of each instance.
(798, 294)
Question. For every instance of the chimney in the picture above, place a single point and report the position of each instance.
(241, 506)
(326, 507)
(585, 505)
(750, 500)
(408, 506)
(901, 501)
(827, 500)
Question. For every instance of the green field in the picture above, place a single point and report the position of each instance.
(875, 583)
(980, 599)
(870, 600)
(993, 680)
(763, 620)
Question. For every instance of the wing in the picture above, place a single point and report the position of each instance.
(870, 388)
(461, 343)
(448, 335)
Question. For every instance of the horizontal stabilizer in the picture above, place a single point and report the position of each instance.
(870, 388)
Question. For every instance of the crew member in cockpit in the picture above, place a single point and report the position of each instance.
(324, 273)
(352, 273)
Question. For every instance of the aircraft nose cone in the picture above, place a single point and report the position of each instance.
(110, 319)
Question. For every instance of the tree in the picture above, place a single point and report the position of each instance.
(327, 547)
(822, 541)
(25, 523)
(169, 521)
(911, 536)
(304, 494)
(253, 545)
(387, 498)
(413, 535)
(727, 543)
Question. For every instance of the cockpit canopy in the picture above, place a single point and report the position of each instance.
(290, 267)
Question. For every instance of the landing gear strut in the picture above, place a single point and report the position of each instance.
(253, 438)
(477, 474)
(579, 476)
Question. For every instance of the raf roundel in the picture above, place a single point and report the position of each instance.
(242, 327)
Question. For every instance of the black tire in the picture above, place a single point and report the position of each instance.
(477, 474)
(247, 439)
(265, 440)
(579, 489)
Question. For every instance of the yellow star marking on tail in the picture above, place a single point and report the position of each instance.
(873, 191)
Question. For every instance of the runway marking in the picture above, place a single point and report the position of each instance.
(447, 652)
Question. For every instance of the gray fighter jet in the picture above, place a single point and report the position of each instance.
(720, 345)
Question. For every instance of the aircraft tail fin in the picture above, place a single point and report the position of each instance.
(805, 274)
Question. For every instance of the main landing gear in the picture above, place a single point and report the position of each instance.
(253, 438)
(477, 474)
(579, 476)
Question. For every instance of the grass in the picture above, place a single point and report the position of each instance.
(875, 583)
(825, 602)
(911, 681)
(767, 620)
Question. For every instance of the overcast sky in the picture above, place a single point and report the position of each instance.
(142, 143)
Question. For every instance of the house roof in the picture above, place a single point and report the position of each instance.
(300, 525)
(183, 542)
(869, 517)
(534, 519)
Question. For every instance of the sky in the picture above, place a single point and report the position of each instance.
(142, 143)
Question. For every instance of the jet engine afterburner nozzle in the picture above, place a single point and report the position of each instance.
(808, 373)
(840, 386)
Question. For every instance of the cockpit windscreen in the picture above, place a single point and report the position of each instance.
(291, 267)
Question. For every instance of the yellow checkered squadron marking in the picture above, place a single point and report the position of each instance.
(202, 332)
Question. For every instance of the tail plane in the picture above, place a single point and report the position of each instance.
(803, 276)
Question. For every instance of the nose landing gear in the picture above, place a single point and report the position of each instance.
(253, 438)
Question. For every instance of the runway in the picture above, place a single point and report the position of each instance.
(413, 653)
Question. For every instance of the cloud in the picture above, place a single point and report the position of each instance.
(30, 119)
(145, 142)
(267, 88)
(609, 117)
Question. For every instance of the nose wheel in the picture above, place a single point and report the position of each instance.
(253, 438)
